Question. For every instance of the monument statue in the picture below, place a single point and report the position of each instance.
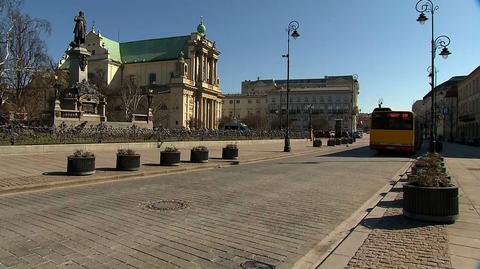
(79, 30)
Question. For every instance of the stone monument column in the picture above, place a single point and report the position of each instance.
(78, 64)
(77, 53)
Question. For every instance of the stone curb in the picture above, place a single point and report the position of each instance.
(340, 245)
(146, 174)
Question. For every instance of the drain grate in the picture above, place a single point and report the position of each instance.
(164, 205)
(256, 265)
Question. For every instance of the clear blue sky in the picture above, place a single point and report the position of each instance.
(379, 40)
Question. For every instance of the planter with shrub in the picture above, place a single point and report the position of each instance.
(317, 143)
(128, 160)
(331, 142)
(230, 152)
(170, 156)
(199, 154)
(81, 163)
(429, 194)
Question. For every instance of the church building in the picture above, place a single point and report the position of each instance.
(180, 71)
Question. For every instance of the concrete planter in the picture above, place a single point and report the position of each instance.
(80, 166)
(350, 141)
(338, 141)
(170, 158)
(128, 162)
(199, 156)
(317, 143)
(229, 153)
(437, 204)
(344, 140)
(331, 142)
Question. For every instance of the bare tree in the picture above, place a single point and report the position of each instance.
(26, 50)
(131, 96)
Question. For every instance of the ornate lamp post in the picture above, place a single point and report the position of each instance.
(291, 31)
(309, 108)
(440, 42)
(149, 101)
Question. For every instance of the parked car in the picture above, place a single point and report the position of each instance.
(236, 126)
(358, 134)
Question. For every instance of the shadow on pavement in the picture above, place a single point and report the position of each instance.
(106, 169)
(56, 173)
(453, 150)
(364, 152)
(395, 222)
(151, 164)
(390, 204)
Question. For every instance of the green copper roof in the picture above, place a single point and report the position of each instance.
(201, 28)
(153, 49)
(113, 48)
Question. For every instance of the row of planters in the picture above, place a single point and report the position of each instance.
(82, 163)
(333, 141)
(429, 193)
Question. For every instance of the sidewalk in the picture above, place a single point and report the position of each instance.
(20, 172)
(385, 239)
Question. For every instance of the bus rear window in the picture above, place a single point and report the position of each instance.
(392, 121)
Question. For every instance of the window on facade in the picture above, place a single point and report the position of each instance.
(273, 100)
(231, 101)
(305, 99)
(249, 101)
(298, 99)
(152, 78)
(133, 79)
(238, 101)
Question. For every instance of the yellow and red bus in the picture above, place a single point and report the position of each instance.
(394, 131)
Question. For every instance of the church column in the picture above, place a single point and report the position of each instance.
(209, 113)
(214, 71)
(205, 112)
(215, 114)
(210, 71)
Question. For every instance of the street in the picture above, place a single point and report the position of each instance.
(273, 211)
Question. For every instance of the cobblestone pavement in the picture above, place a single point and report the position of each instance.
(398, 242)
(274, 212)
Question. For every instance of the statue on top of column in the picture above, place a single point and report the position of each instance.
(79, 30)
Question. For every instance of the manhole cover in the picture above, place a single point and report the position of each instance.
(164, 205)
(474, 169)
(256, 265)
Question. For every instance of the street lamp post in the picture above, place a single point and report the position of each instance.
(440, 42)
(291, 31)
(149, 101)
(309, 109)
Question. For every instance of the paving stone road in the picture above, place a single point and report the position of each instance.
(273, 211)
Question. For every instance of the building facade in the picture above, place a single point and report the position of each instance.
(469, 108)
(446, 110)
(316, 102)
(183, 70)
